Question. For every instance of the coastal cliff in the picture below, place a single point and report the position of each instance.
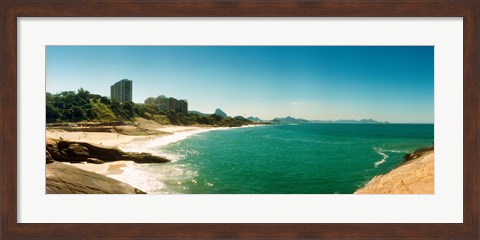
(414, 176)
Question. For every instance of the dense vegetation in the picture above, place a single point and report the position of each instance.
(81, 106)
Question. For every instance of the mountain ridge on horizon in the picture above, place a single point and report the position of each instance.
(290, 119)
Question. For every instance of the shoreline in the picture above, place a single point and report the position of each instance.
(112, 139)
(135, 144)
(174, 134)
(167, 133)
(107, 169)
(127, 143)
(106, 139)
(404, 178)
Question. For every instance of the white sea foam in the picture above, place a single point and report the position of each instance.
(161, 178)
(153, 145)
(383, 154)
(157, 178)
(395, 151)
(137, 146)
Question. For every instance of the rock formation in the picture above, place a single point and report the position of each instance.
(414, 176)
(74, 152)
(66, 179)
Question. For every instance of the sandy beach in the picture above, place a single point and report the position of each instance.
(412, 177)
(145, 143)
(100, 138)
(168, 134)
(110, 168)
(114, 139)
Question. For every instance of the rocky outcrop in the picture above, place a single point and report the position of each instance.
(94, 160)
(74, 152)
(415, 154)
(52, 148)
(48, 157)
(66, 179)
(414, 176)
(144, 158)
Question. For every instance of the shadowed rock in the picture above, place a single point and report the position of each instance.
(66, 179)
(48, 157)
(415, 154)
(75, 153)
(67, 151)
(52, 148)
(94, 151)
(94, 160)
(144, 158)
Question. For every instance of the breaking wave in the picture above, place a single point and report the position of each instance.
(381, 153)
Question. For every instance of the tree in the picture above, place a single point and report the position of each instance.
(52, 113)
(78, 114)
(105, 100)
(150, 101)
(128, 110)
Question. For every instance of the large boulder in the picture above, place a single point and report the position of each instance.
(144, 158)
(75, 153)
(95, 151)
(67, 179)
(52, 148)
(80, 151)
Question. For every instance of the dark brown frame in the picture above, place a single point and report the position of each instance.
(10, 10)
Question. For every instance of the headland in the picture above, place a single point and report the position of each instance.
(415, 175)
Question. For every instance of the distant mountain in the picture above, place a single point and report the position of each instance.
(364, 121)
(199, 113)
(289, 120)
(254, 119)
(220, 113)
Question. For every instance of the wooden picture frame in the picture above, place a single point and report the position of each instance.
(11, 10)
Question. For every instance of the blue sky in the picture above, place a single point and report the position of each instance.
(385, 83)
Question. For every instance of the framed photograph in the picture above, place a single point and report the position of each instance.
(240, 119)
(291, 117)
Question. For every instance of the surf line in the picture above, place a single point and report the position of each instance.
(381, 153)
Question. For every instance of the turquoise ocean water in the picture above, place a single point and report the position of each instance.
(299, 159)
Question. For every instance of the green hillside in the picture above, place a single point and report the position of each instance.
(83, 106)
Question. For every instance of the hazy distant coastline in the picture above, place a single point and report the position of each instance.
(290, 119)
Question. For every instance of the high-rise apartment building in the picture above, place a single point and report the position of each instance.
(168, 104)
(122, 90)
(183, 106)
